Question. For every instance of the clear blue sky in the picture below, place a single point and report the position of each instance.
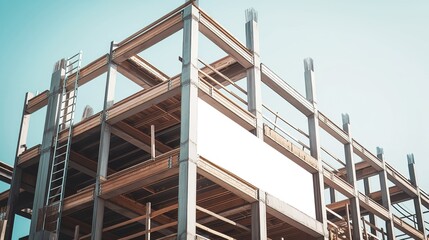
(370, 59)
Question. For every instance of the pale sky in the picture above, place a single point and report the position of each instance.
(370, 59)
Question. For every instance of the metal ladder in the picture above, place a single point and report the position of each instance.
(61, 151)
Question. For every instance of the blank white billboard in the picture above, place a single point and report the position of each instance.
(230, 146)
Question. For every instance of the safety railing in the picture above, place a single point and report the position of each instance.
(278, 124)
(233, 91)
(338, 226)
(372, 232)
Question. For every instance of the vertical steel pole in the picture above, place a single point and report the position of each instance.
(351, 179)
(417, 200)
(17, 171)
(148, 220)
(371, 216)
(332, 195)
(385, 195)
(188, 127)
(103, 151)
(313, 128)
(152, 142)
(254, 95)
(254, 105)
(47, 143)
(259, 217)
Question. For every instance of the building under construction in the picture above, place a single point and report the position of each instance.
(199, 155)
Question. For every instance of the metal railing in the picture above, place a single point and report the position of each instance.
(280, 130)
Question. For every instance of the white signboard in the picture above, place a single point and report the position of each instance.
(230, 146)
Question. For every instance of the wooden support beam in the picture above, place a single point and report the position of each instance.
(86, 74)
(162, 112)
(135, 135)
(142, 100)
(164, 166)
(222, 218)
(130, 139)
(214, 232)
(227, 66)
(37, 102)
(30, 156)
(155, 229)
(141, 72)
(223, 39)
(78, 201)
(227, 180)
(225, 214)
(6, 172)
(288, 93)
(294, 217)
(90, 71)
(169, 24)
(143, 216)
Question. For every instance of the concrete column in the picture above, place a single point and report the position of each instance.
(351, 178)
(254, 96)
(188, 127)
(48, 137)
(417, 200)
(103, 151)
(259, 217)
(313, 128)
(385, 195)
(17, 171)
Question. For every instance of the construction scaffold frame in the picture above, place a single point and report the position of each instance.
(134, 169)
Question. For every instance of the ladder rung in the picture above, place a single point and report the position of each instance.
(77, 54)
(68, 99)
(69, 71)
(71, 96)
(59, 163)
(72, 99)
(68, 113)
(66, 107)
(62, 146)
(75, 61)
(56, 187)
(62, 154)
(54, 196)
(57, 171)
(61, 178)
